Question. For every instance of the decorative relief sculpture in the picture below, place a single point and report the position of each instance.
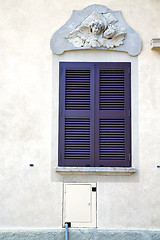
(96, 27)
(98, 30)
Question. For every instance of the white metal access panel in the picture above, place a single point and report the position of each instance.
(79, 205)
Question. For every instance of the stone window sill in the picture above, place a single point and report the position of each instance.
(100, 171)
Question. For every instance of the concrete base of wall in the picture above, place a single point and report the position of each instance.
(83, 234)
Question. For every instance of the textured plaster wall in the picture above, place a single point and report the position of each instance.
(29, 198)
(84, 234)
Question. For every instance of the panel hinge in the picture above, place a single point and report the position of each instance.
(129, 70)
(60, 70)
(129, 113)
(129, 157)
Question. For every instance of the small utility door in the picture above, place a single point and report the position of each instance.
(80, 205)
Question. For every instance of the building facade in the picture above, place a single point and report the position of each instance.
(80, 119)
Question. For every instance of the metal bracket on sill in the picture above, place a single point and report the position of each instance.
(155, 44)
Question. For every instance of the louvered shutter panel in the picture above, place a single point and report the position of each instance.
(112, 115)
(76, 114)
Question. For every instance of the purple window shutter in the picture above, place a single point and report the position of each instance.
(112, 115)
(76, 114)
(94, 114)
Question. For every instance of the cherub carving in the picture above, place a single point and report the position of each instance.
(98, 31)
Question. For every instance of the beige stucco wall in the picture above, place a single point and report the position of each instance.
(31, 196)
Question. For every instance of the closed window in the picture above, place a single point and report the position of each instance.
(95, 114)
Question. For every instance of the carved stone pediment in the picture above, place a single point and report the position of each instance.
(96, 27)
(98, 30)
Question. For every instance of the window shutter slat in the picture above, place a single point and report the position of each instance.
(76, 131)
(77, 89)
(112, 139)
(111, 89)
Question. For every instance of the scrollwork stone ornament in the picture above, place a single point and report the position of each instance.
(96, 27)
